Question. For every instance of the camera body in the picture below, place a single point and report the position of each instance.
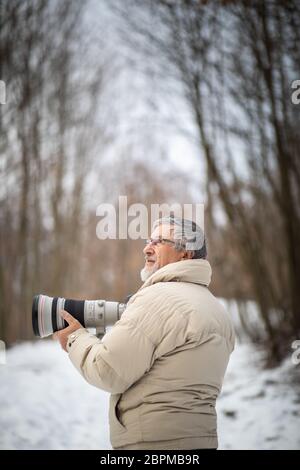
(99, 314)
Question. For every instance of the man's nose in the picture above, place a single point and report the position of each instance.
(149, 249)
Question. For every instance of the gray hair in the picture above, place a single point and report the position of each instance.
(187, 235)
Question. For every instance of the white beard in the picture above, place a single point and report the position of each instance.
(146, 273)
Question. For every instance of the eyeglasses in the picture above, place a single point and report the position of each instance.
(156, 241)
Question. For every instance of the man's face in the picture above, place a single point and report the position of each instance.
(157, 256)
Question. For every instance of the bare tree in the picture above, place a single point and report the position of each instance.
(234, 62)
(44, 150)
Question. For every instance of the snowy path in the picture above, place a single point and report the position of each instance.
(259, 409)
(45, 404)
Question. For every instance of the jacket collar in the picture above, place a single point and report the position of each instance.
(197, 271)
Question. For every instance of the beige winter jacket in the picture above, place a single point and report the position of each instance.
(163, 362)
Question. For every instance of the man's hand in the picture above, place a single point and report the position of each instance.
(62, 335)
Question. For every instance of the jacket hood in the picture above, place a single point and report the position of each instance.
(197, 271)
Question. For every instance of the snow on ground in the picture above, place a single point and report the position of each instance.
(46, 404)
(259, 409)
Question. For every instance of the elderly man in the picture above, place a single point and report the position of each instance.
(164, 361)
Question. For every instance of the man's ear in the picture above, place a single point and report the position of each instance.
(187, 255)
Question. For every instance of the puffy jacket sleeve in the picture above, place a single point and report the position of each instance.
(114, 363)
(149, 328)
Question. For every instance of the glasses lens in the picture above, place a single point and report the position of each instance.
(153, 241)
